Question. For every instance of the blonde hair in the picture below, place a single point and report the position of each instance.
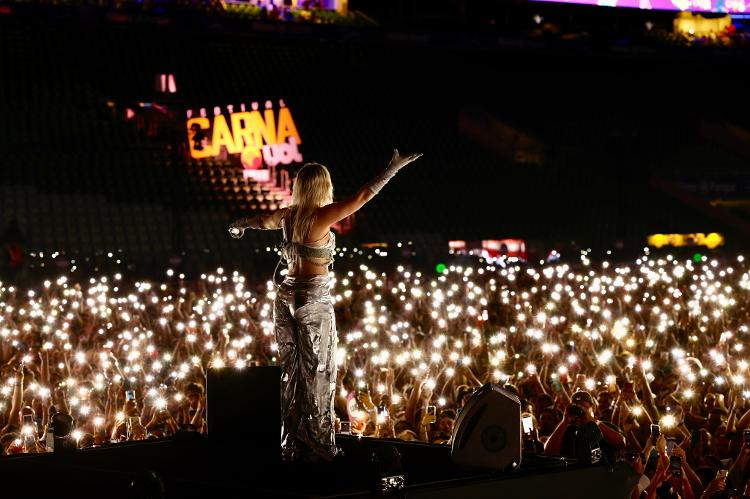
(312, 188)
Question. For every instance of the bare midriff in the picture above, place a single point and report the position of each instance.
(305, 267)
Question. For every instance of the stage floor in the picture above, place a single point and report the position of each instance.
(196, 465)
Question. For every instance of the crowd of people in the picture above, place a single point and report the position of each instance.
(306, 11)
(730, 37)
(649, 356)
(303, 11)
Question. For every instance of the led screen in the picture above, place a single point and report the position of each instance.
(731, 6)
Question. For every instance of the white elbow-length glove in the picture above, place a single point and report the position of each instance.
(397, 162)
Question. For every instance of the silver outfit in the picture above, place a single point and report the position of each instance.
(305, 326)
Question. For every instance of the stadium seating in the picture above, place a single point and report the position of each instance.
(83, 178)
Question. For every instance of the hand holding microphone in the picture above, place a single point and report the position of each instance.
(236, 232)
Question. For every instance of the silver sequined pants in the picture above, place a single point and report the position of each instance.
(305, 327)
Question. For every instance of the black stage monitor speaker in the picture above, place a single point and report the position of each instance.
(246, 404)
(487, 434)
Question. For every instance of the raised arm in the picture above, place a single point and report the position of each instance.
(743, 422)
(14, 418)
(334, 212)
(263, 221)
(553, 445)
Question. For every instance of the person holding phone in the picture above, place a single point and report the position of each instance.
(577, 415)
(304, 320)
(531, 443)
(384, 423)
(162, 423)
(429, 417)
(737, 470)
(718, 484)
(677, 478)
(634, 458)
(29, 434)
(687, 470)
(122, 429)
(194, 412)
(670, 476)
(361, 410)
(15, 416)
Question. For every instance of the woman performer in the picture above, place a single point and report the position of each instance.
(304, 321)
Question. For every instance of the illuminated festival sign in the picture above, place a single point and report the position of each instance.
(711, 240)
(258, 137)
(728, 6)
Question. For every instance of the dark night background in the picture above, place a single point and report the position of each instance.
(616, 120)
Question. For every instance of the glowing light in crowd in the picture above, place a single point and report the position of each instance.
(561, 321)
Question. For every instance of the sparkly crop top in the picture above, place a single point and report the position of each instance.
(307, 251)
